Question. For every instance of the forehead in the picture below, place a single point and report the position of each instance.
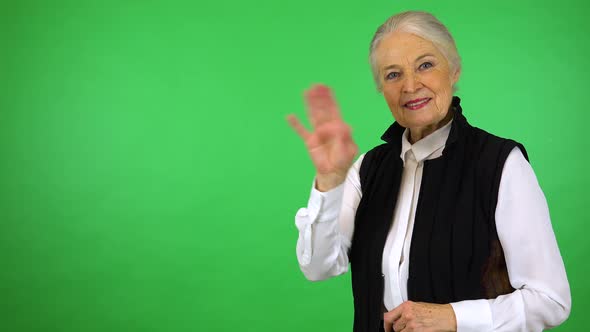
(403, 47)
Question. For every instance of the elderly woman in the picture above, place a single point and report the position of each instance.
(444, 225)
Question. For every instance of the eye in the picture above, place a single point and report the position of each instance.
(426, 65)
(392, 75)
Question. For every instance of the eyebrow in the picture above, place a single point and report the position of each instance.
(417, 59)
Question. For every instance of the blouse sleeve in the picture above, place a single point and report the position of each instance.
(326, 227)
(541, 299)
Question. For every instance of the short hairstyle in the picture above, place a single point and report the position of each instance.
(421, 24)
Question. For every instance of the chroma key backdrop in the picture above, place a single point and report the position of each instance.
(149, 180)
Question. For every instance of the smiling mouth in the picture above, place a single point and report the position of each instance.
(417, 103)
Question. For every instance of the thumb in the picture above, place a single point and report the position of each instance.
(297, 126)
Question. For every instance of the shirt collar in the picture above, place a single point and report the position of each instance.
(427, 146)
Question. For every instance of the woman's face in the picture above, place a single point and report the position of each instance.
(416, 81)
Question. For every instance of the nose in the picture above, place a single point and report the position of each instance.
(411, 83)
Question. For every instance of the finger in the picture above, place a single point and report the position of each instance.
(399, 325)
(321, 105)
(387, 326)
(388, 322)
(321, 98)
(297, 126)
(396, 313)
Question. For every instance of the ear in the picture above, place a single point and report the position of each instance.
(456, 75)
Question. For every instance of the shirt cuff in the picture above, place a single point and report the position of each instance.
(325, 206)
(473, 316)
(321, 207)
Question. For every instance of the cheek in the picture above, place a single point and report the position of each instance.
(441, 86)
(391, 98)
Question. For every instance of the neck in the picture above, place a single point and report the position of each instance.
(417, 134)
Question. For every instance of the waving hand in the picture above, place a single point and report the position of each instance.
(330, 143)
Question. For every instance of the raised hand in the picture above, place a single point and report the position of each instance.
(330, 144)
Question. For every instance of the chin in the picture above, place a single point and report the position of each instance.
(418, 120)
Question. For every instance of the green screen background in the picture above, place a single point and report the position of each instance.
(149, 181)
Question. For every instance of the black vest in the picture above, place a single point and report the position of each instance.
(455, 252)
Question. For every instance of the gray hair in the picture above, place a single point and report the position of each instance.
(421, 24)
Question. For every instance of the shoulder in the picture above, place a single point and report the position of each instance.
(377, 151)
(493, 146)
(382, 158)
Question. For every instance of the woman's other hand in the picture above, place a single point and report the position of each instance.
(420, 317)
(330, 144)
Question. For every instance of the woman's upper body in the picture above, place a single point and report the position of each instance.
(416, 66)
(541, 298)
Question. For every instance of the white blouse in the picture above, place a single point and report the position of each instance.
(542, 296)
